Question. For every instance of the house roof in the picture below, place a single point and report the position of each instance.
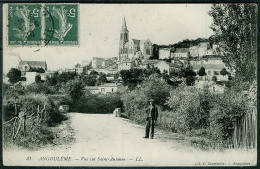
(143, 41)
(181, 50)
(204, 44)
(174, 65)
(170, 64)
(150, 62)
(112, 67)
(208, 66)
(177, 61)
(193, 47)
(136, 41)
(33, 63)
(108, 85)
(91, 87)
(127, 61)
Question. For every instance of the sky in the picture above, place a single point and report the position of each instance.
(99, 31)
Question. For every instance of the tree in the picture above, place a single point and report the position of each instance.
(93, 72)
(90, 80)
(202, 71)
(190, 80)
(131, 77)
(214, 78)
(84, 70)
(14, 75)
(51, 81)
(77, 65)
(235, 27)
(102, 78)
(155, 52)
(66, 76)
(224, 72)
(75, 89)
(189, 74)
(116, 76)
(38, 79)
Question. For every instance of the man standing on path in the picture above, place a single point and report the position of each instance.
(151, 119)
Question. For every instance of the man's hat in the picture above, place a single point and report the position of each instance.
(151, 100)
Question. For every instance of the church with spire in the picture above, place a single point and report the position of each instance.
(132, 49)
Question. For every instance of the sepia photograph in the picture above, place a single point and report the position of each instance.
(131, 85)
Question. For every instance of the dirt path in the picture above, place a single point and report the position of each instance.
(103, 140)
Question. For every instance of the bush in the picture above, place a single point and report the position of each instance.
(99, 104)
(228, 108)
(190, 107)
(136, 101)
(14, 75)
(36, 135)
(40, 88)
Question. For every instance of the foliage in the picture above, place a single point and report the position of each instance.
(98, 104)
(38, 79)
(228, 108)
(131, 77)
(84, 70)
(14, 75)
(190, 107)
(78, 65)
(61, 99)
(38, 88)
(190, 80)
(52, 80)
(23, 79)
(93, 72)
(36, 135)
(214, 78)
(102, 78)
(235, 25)
(136, 101)
(188, 73)
(90, 80)
(74, 88)
(155, 52)
(134, 77)
(66, 76)
(224, 72)
(202, 71)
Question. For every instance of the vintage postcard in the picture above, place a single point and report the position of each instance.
(129, 84)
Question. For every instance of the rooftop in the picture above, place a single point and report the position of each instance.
(208, 66)
(150, 62)
(136, 41)
(181, 50)
(33, 63)
(108, 85)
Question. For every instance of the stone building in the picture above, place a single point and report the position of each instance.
(130, 49)
(181, 53)
(28, 66)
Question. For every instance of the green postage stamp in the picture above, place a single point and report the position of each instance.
(24, 24)
(61, 24)
(43, 24)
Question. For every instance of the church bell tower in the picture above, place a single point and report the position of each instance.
(124, 38)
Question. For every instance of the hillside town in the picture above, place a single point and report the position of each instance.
(136, 54)
(126, 84)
